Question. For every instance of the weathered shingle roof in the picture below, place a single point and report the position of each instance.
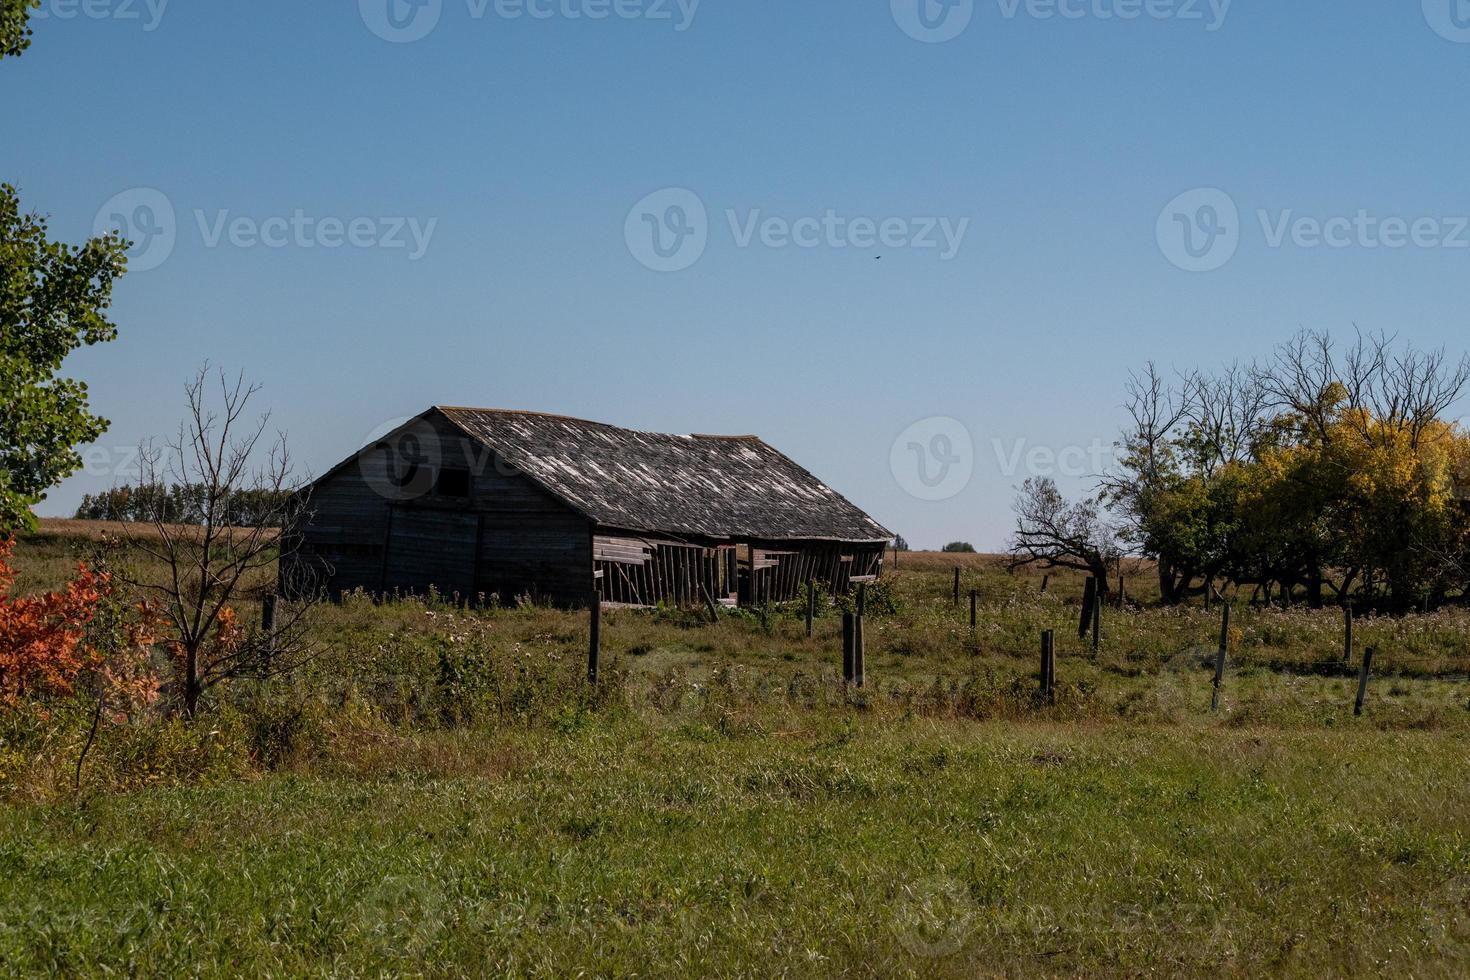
(711, 486)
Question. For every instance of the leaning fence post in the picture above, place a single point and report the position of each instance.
(709, 600)
(1363, 681)
(594, 643)
(1045, 581)
(1220, 656)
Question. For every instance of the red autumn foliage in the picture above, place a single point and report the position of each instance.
(50, 643)
(41, 636)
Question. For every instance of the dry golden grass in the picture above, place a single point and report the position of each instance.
(63, 527)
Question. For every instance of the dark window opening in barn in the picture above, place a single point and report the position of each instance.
(453, 483)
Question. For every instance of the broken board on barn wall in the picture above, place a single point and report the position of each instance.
(643, 571)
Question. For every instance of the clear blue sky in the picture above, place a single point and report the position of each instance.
(526, 141)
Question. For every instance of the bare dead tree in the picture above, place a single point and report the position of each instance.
(1053, 533)
(200, 571)
(1375, 386)
(1228, 414)
(1303, 377)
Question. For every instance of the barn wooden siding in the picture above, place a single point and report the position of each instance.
(645, 572)
(781, 570)
(477, 503)
(508, 538)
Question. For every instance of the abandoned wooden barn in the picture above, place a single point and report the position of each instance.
(477, 503)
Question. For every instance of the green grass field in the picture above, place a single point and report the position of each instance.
(439, 793)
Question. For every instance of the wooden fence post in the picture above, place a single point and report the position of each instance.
(811, 605)
(859, 652)
(1220, 656)
(1097, 604)
(1347, 633)
(1045, 581)
(847, 656)
(1048, 666)
(1363, 681)
(1122, 588)
(957, 585)
(268, 627)
(1089, 596)
(709, 600)
(594, 644)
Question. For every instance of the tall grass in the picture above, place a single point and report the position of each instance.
(440, 792)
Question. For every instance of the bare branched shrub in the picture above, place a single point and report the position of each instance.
(204, 570)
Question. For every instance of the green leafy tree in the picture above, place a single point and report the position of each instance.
(52, 301)
(15, 31)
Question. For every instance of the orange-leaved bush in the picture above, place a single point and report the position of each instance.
(41, 636)
(51, 642)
